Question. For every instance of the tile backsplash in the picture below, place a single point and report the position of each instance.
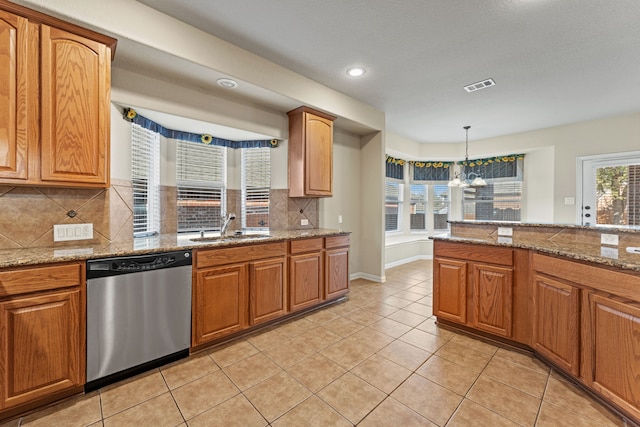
(27, 214)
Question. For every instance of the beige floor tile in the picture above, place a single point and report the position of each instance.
(187, 370)
(524, 359)
(427, 398)
(128, 393)
(371, 337)
(408, 318)
(395, 301)
(250, 371)
(348, 353)
(464, 356)
(571, 398)
(433, 328)
(318, 338)
(381, 373)
(390, 327)
(470, 414)
(380, 309)
(517, 376)
(343, 326)
(235, 412)
(448, 374)
(342, 308)
(428, 299)
(296, 327)
(421, 309)
(13, 423)
(351, 396)
(276, 395)
(203, 394)
(552, 415)
(321, 316)
(405, 354)
(364, 317)
(421, 290)
(313, 412)
(475, 344)
(233, 352)
(268, 338)
(289, 352)
(316, 371)
(408, 295)
(423, 340)
(75, 411)
(392, 412)
(160, 411)
(507, 401)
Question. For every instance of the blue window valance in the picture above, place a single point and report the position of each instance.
(431, 171)
(496, 167)
(130, 115)
(395, 168)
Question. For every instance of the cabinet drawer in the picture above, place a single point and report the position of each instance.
(306, 245)
(472, 252)
(336, 241)
(212, 257)
(26, 280)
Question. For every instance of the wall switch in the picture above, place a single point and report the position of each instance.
(505, 231)
(569, 200)
(609, 252)
(339, 219)
(66, 232)
(304, 222)
(609, 239)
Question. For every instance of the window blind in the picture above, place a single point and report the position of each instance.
(440, 206)
(201, 181)
(392, 205)
(256, 185)
(418, 213)
(145, 179)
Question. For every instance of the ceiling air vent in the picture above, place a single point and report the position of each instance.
(480, 85)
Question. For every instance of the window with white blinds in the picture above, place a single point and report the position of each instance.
(256, 185)
(201, 180)
(393, 206)
(145, 178)
(418, 207)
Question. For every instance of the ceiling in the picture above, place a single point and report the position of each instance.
(554, 61)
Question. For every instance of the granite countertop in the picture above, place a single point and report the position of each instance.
(145, 245)
(570, 247)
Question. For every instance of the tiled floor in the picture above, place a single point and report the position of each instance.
(377, 359)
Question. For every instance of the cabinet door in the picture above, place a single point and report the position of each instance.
(336, 275)
(267, 290)
(305, 280)
(319, 156)
(450, 289)
(75, 109)
(556, 327)
(13, 96)
(492, 299)
(615, 351)
(40, 347)
(219, 302)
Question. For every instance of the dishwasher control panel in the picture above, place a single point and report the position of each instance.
(132, 264)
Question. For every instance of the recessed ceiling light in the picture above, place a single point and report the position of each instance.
(482, 84)
(227, 83)
(356, 71)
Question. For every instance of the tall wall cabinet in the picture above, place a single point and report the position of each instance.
(54, 101)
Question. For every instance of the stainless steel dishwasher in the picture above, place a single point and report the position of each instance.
(138, 314)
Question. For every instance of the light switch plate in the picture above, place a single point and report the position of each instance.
(609, 239)
(67, 232)
(569, 200)
(505, 231)
(304, 222)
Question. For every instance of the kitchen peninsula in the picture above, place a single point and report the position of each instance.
(554, 289)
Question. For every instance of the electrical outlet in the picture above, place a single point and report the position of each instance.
(505, 231)
(608, 252)
(304, 222)
(67, 232)
(339, 219)
(609, 239)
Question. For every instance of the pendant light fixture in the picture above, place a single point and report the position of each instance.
(467, 178)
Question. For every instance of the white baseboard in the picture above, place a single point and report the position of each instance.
(407, 260)
(378, 279)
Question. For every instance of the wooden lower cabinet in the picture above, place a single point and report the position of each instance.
(336, 275)
(220, 302)
(556, 322)
(450, 290)
(613, 345)
(267, 290)
(305, 280)
(493, 299)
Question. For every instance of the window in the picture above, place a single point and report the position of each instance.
(145, 179)
(440, 206)
(392, 206)
(201, 181)
(256, 185)
(418, 208)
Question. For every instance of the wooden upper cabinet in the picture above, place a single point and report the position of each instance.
(13, 96)
(55, 80)
(310, 153)
(75, 81)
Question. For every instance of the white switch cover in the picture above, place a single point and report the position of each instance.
(569, 200)
(505, 231)
(304, 222)
(339, 219)
(609, 239)
(66, 232)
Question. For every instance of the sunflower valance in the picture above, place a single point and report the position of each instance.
(130, 115)
(495, 167)
(395, 168)
(431, 170)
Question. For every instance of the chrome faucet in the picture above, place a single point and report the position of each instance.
(225, 225)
